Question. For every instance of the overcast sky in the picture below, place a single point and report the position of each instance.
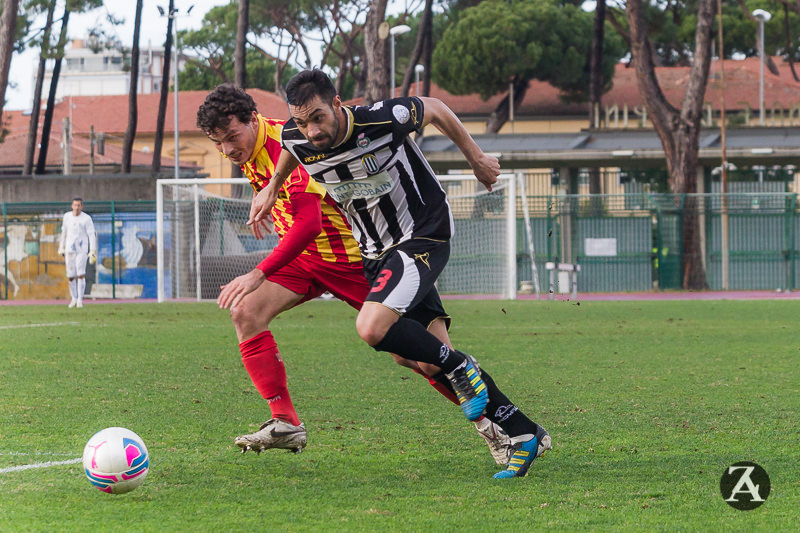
(154, 27)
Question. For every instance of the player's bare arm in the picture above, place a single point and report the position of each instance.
(262, 204)
(485, 167)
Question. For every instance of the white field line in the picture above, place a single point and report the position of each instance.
(17, 326)
(39, 465)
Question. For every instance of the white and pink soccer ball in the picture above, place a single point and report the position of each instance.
(116, 460)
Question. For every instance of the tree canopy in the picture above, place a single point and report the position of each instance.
(496, 41)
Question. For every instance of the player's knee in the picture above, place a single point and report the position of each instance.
(248, 318)
(369, 329)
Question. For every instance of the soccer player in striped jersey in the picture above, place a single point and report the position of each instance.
(316, 253)
(366, 160)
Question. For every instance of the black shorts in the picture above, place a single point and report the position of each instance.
(404, 278)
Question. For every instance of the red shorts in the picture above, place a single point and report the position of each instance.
(311, 277)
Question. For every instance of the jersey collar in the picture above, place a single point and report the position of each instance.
(350, 122)
(261, 138)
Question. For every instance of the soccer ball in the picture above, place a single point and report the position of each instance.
(116, 460)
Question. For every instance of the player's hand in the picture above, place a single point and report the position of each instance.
(92, 257)
(61, 250)
(232, 293)
(261, 228)
(486, 169)
(260, 209)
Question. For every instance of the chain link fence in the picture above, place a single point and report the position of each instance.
(624, 242)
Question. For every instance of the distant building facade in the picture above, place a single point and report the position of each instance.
(85, 72)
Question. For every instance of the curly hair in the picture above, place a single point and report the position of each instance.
(223, 102)
(304, 86)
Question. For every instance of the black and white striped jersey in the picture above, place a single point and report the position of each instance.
(379, 175)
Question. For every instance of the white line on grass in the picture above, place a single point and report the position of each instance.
(39, 465)
(16, 326)
(38, 453)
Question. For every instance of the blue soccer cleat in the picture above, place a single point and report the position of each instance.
(470, 389)
(525, 453)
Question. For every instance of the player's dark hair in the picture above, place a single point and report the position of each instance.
(223, 102)
(305, 85)
(77, 199)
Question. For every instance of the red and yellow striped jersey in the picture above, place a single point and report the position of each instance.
(335, 243)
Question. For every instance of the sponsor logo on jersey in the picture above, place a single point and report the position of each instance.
(363, 141)
(370, 164)
(401, 114)
(376, 106)
(362, 189)
(314, 158)
(414, 113)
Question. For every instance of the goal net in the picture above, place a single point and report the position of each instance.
(203, 240)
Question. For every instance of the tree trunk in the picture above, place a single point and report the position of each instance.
(240, 59)
(158, 143)
(8, 30)
(502, 113)
(424, 33)
(427, 60)
(679, 130)
(377, 66)
(596, 63)
(133, 108)
(33, 126)
(41, 163)
(240, 54)
(596, 96)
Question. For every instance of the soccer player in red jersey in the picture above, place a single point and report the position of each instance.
(316, 253)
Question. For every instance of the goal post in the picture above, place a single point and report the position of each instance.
(203, 240)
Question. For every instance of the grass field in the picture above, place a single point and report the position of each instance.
(647, 404)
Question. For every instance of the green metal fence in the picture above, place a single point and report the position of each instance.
(630, 242)
(636, 242)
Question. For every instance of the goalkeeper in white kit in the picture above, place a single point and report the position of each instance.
(78, 245)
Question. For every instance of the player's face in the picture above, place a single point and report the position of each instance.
(77, 207)
(319, 122)
(237, 141)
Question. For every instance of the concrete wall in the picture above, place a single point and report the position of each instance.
(91, 187)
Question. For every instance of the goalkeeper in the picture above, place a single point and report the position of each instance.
(316, 253)
(78, 245)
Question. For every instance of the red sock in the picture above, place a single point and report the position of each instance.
(264, 365)
(443, 390)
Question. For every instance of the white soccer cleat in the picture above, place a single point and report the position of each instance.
(496, 439)
(72, 303)
(79, 304)
(274, 433)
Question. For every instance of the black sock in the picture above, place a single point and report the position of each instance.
(503, 412)
(408, 338)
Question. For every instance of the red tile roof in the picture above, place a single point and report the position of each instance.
(13, 150)
(741, 86)
(109, 114)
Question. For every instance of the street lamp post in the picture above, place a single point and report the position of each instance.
(762, 17)
(173, 14)
(419, 69)
(397, 30)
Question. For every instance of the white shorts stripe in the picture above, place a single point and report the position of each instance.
(405, 291)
